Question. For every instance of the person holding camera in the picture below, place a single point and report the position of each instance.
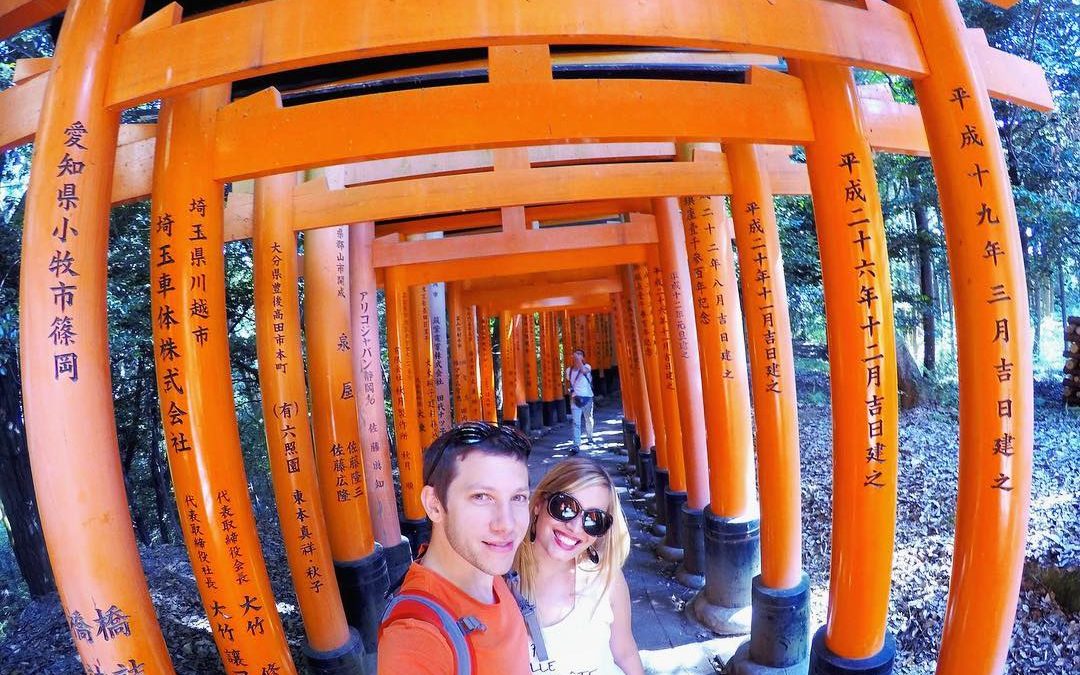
(579, 378)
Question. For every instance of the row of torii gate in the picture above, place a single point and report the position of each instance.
(597, 204)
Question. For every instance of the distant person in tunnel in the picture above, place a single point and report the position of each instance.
(455, 613)
(579, 379)
(571, 569)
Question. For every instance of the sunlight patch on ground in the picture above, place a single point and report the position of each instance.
(690, 659)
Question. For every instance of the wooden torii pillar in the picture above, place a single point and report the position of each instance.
(63, 340)
(374, 433)
(782, 589)
(298, 470)
(994, 343)
(862, 364)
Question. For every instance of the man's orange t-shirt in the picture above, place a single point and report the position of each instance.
(413, 646)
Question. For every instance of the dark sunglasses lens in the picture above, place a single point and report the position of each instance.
(563, 507)
(595, 522)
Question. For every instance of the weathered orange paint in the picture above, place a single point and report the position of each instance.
(402, 383)
(542, 256)
(160, 63)
(487, 367)
(334, 388)
(195, 390)
(643, 329)
(537, 112)
(718, 315)
(370, 397)
(532, 368)
(509, 362)
(994, 346)
(668, 394)
(17, 15)
(458, 353)
(520, 345)
(68, 405)
(424, 362)
(285, 411)
(474, 400)
(440, 355)
(768, 331)
(862, 361)
(649, 419)
(558, 386)
(546, 386)
(684, 348)
(630, 395)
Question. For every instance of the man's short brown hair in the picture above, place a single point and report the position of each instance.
(442, 456)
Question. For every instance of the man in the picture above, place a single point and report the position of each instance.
(579, 377)
(476, 493)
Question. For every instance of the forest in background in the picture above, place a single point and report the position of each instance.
(1041, 152)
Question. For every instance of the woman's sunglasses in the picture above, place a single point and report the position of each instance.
(564, 508)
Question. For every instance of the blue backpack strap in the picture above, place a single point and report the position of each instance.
(425, 608)
(528, 613)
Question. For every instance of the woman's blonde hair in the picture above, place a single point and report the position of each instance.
(572, 475)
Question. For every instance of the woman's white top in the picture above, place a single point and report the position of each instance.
(579, 381)
(580, 644)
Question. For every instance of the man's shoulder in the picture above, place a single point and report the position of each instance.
(414, 646)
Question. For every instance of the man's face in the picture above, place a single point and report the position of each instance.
(579, 359)
(486, 512)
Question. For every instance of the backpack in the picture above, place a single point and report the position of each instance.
(429, 609)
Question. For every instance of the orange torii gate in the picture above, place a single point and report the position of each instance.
(106, 61)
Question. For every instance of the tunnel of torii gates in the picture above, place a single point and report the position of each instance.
(565, 170)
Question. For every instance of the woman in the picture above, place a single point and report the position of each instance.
(571, 568)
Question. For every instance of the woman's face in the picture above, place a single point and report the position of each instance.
(567, 541)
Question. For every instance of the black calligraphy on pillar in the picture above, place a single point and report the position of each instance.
(868, 300)
(762, 259)
(281, 361)
(63, 264)
(976, 155)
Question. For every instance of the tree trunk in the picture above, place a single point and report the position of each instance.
(17, 489)
(1061, 295)
(159, 482)
(909, 379)
(126, 460)
(926, 287)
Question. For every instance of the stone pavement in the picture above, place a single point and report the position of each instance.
(670, 641)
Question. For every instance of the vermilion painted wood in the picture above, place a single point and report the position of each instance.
(296, 468)
(16, 15)
(160, 62)
(487, 367)
(371, 405)
(648, 412)
(64, 360)
(425, 375)
(716, 312)
(669, 397)
(685, 357)
(509, 362)
(994, 347)
(862, 362)
(195, 391)
(532, 366)
(403, 387)
(776, 421)
(652, 359)
(515, 114)
(334, 388)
